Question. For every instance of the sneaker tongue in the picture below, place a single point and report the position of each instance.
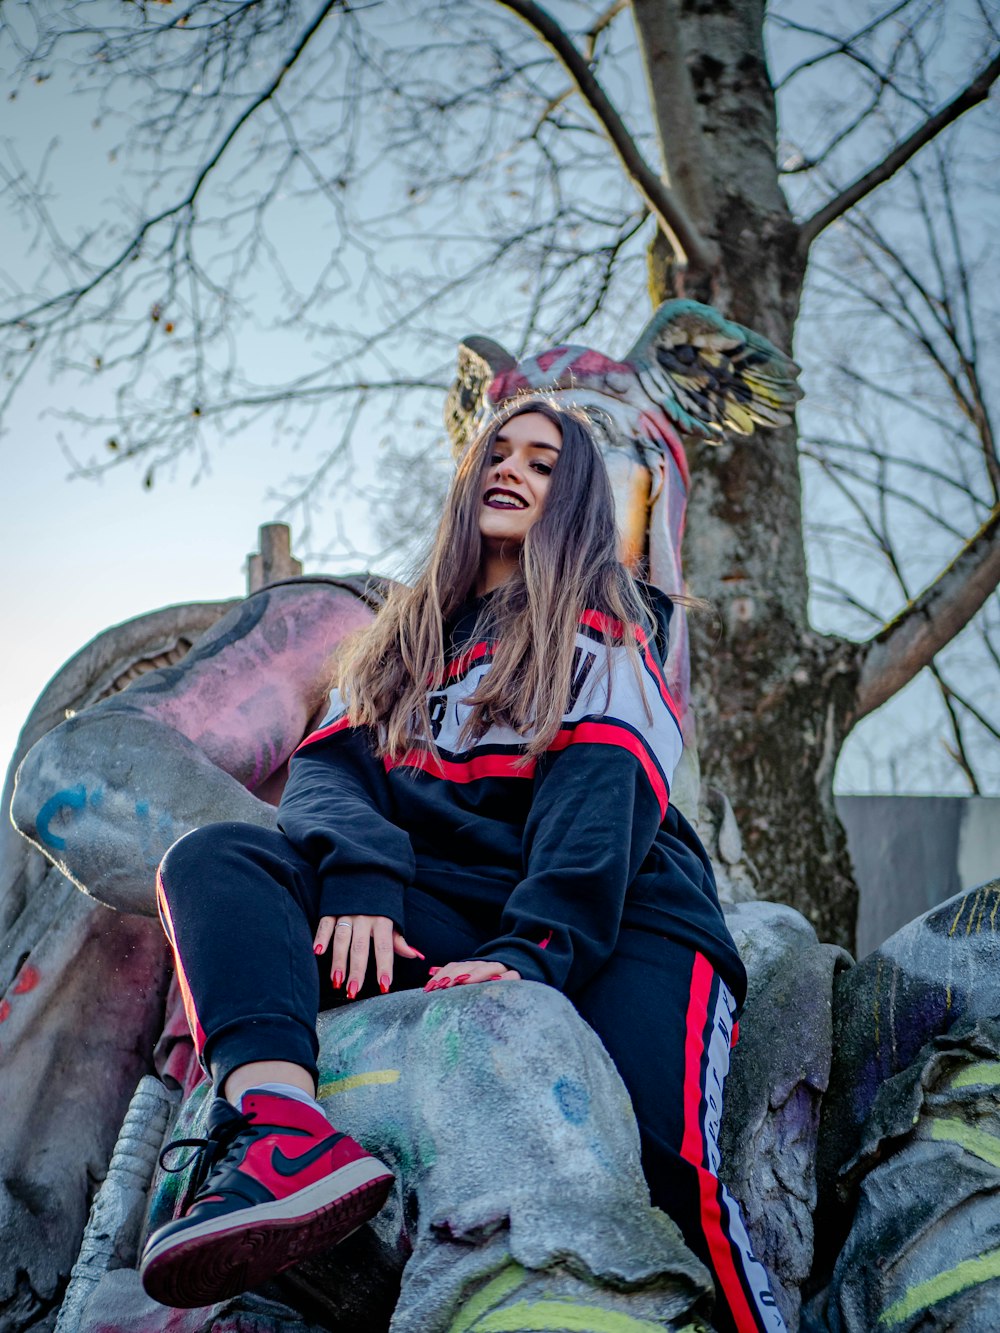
(222, 1113)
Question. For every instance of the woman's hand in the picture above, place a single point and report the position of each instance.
(354, 937)
(469, 973)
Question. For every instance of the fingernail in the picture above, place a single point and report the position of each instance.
(352, 989)
(384, 983)
(419, 955)
(317, 948)
(498, 977)
(433, 971)
(338, 980)
(460, 980)
(445, 981)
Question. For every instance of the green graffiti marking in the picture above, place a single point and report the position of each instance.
(553, 1316)
(351, 1034)
(496, 1290)
(984, 1072)
(452, 1051)
(976, 1141)
(346, 1082)
(969, 1273)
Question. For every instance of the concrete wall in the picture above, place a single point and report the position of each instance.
(912, 852)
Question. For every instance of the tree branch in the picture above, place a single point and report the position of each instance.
(976, 92)
(68, 300)
(689, 245)
(907, 644)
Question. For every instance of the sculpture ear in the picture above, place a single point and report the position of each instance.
(711, 375)
(480, 360)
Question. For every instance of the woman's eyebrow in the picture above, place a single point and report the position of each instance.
(532, 444)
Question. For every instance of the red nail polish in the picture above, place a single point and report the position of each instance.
(497, 977)
(352, 989)
(384, 983)
(445, 981)
(461, 980)
(420, 955)
(317, 948)
(338, 980)
(433, 971)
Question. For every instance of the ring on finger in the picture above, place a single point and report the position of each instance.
(346, 925)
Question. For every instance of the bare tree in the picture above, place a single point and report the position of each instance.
(425, 155)
(908, 448)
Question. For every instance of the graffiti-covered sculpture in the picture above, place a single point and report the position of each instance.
(909, 1157)
(207, 737)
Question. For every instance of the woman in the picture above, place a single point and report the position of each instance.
(495, 769)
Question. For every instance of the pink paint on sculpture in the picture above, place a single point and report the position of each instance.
(27, 979)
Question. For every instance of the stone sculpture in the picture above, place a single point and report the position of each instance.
(909, 1161)
(207, 737)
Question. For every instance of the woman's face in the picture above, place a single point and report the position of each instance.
(516, 480)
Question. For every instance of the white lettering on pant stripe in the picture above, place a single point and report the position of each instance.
(719, 1044)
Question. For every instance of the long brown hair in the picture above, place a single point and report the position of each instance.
(568, 563)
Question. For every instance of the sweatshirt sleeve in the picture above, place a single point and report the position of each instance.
(332, 812)
(601, 795)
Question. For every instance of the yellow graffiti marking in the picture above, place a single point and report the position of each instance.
(969, 1273)
(346, 1082)
(985, 1072)
(878, 988)
(506, 1281)
(550, 1316)
(982, 1145)
(961, 909)
(993, 914)
(947, 997)
(972, 913)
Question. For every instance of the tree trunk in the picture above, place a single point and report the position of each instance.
(762, 680)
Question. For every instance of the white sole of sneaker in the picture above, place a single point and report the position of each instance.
(223, 1256)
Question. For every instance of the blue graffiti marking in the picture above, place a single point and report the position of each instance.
(142, 809)
(71, 798)
(573, 1100)
(96, 797)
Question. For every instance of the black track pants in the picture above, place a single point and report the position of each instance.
(240, 907)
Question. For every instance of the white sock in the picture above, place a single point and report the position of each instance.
(285, 1089)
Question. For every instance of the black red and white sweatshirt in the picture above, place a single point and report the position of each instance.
(547, 860)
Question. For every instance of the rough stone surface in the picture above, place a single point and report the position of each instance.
(111, 1236)
(942, 968)
(119, 1303)
(927, 1208)
(517, 1164)
(81, 997)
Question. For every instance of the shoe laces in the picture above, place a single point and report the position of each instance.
(209, 1154)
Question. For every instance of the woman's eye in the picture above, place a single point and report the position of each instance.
(495, 458)
(543, 468)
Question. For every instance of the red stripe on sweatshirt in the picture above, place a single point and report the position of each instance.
(465, 770)
(190, 1012)
(606, 732)
(693, 1148)
(340, 725)
(604, 624)
(512, 766)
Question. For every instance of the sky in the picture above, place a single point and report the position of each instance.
(79, 554)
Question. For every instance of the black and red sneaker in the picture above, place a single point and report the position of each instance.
(272, 1185)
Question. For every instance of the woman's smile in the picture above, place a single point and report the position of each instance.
(497, 498)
